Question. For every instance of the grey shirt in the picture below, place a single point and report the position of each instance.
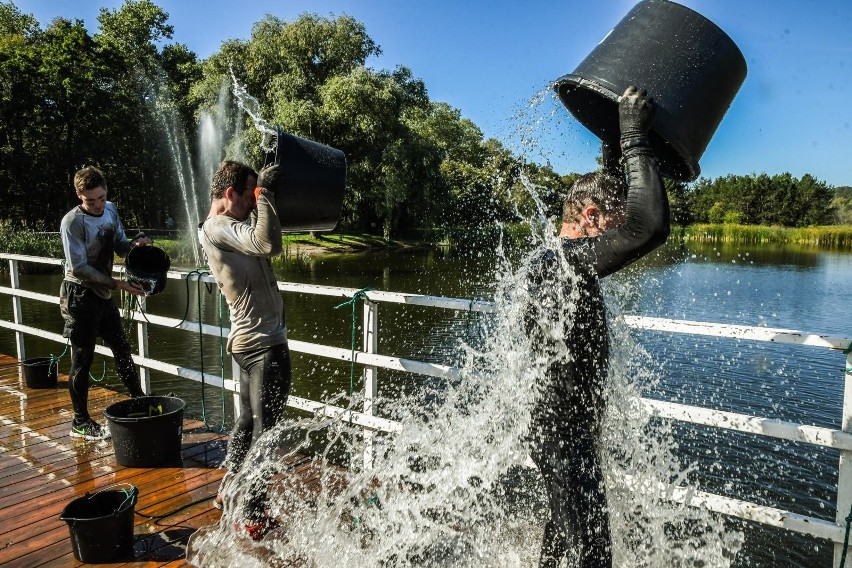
(90, 242)
(238, 254)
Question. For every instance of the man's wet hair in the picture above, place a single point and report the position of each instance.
(604, 190)
(230, 174)
(89, 177)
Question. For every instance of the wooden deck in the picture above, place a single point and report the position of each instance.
(42, 469)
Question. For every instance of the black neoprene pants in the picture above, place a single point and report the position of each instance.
(579, 517)
(265, 380)
(88, 316)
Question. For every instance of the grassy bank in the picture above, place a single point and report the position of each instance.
(302, 245)
(831, 236)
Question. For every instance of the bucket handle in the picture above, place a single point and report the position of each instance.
(135, 417)
(130, 494)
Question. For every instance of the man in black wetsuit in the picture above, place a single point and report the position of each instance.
(601, 233)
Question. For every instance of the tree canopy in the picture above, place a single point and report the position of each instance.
(128, 101)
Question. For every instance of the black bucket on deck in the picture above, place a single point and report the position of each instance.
(146, 431)
(146, 267)
(687, 63)
(309, 196)
(40, 372)
(101, 525)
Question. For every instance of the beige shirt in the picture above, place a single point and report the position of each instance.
(238, 254)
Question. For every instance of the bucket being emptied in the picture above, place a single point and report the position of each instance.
(40, 372)
(101, 524)
(686, 62)
(309, 194)
(146, 267)
(146, 431)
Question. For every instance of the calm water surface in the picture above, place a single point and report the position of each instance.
(763, 286)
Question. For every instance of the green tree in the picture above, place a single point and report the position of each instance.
(781, 199)
(678, 201)
(411, 162)
(20, 107)
(841, 205)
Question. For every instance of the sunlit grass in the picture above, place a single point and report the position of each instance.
(15, 240)
(830, 236)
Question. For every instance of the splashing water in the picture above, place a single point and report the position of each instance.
(453, 486)
(251, 106)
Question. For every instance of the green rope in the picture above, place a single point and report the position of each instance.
(209, 287)
(201, 347)
(846, 539)
(200, 273)
(54, 360)
(103, 373)
(359, 295)
(222, 360)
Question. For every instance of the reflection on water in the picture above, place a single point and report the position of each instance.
(727, 283)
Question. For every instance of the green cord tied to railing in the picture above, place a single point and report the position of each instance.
(359, 295)
(54, 359)
(200, 273)
(54, 362)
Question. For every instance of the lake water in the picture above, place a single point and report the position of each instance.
(770, 286)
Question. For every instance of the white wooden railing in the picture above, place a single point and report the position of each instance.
(371, 361)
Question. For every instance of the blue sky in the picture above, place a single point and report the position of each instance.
(493, 61)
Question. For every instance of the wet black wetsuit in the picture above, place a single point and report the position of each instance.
(567, 418)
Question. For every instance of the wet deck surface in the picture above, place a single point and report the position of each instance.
(42, 469)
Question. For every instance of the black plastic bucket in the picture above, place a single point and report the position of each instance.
(101, 525)
(146, 267)
(687, 63)
(309, 196)
(40, 372)
(146, 431)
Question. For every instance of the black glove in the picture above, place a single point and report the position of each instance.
(269, 177)
(635, 116)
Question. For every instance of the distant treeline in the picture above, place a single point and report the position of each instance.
(126, 100)
(780, 200)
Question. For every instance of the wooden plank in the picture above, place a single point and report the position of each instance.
(158, 500)
(42, 469)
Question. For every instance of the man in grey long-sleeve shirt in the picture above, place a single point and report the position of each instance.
(91, 234)
(239, 236)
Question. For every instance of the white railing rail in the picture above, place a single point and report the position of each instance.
(371, 361)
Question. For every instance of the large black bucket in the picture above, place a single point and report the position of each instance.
(146, 431)
(146, 267)
(690, 66)
(309, 196)
(40, 372)
(101, 525)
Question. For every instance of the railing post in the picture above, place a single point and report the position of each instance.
(844, 470)
(142, 338)
(18, 314)
(371, 389)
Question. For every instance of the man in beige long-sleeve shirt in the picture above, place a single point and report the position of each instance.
(239, 236)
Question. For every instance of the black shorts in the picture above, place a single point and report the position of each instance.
(87, 315)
